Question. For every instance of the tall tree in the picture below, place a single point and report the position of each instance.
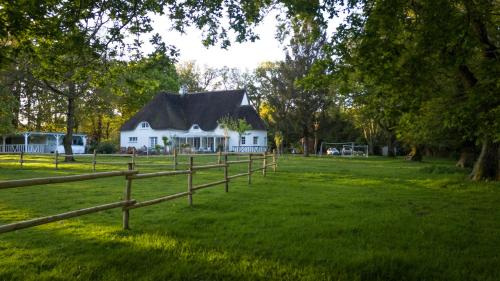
(306, 62)
(69, 43)
(420, 61)
(195, 78)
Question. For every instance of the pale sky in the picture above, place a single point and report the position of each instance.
(247, 55)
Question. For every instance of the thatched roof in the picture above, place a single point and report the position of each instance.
(180, 112)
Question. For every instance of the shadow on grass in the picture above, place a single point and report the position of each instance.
(327, 222)
(110, 254)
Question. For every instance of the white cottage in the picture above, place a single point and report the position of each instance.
(191, 120)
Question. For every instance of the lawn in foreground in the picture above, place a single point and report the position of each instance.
(314, 219)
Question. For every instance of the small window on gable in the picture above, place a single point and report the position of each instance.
(144, 125)
(196, 127)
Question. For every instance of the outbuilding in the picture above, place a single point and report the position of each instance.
(40, 142)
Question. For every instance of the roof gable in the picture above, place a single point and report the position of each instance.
(173, 111)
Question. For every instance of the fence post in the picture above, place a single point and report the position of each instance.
(21, 158)
(274, 160)
(127, 196)
(94, 160)
(250, 168)
(226, 184)
(133, 158)
(219, 154)
(264, 164)
(57, 160)
(190, 181)
(175, 158)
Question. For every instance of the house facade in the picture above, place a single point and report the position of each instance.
(190, 122)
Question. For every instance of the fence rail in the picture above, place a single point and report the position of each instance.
(56, 159)
(253, 148)
(131, 175)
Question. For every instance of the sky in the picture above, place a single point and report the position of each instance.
(245, 56)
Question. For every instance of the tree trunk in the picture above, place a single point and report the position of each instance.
(487, 165)
(99, 129)
(306, 143)
(315, 142)
(239, 142)
(390, 146)
(70, 123)
(415, 154)
(371, 149)
(16, 92)
(108, 128)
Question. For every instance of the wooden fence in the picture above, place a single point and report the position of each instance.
(131, 175)
(57, 159)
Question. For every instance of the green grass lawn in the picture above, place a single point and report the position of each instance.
(314, 219)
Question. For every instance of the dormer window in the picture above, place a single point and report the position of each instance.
(144, 125)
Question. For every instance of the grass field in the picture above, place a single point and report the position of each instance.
(314, 219)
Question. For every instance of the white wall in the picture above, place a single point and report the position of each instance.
(249, 135)
(143, 135)
(77, 149)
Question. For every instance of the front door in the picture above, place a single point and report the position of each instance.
(196, 143)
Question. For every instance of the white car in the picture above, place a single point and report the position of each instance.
(332, 151)
(346, 151)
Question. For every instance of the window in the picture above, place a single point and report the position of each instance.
(144, 125)
(132, 139)
(255, 140)
(243, 140)
(77, 141)
(153, 141)
(196, 127)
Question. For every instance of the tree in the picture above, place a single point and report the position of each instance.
(369, 126)
(306, 64)
(278, 140)
(226, 123)
(71, 44)
(197, 79)
(135, 83)
(231, 124)
(419, 63)
(241, 126)
(7, 105)
(400, 51)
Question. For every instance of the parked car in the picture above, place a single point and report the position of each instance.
(332, 151)
(346, 151)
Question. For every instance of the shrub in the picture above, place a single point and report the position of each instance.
(158, 148)
(107, 147)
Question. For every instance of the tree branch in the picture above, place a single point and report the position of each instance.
(54, 89)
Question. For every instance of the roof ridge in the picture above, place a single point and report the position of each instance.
(206, 92)
(216, 92)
